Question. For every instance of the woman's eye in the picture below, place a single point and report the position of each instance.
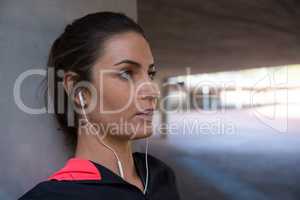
(152, 74)
(126, 74)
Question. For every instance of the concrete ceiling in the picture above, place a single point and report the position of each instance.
(221, 35)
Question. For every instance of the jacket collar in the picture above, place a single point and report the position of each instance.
(82, 169)
(77, 169)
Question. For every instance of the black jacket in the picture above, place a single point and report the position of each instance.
(87, 180)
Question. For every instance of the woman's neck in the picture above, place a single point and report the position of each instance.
(89, 147)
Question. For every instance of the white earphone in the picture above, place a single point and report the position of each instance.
(118, 160)
(120, 168)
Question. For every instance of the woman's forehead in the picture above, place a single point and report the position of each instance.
(127, 46)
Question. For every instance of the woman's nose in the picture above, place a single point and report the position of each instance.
(148, 90)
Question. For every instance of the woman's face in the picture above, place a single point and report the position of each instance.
(122, 79)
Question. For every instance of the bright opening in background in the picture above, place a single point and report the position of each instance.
(271, 95)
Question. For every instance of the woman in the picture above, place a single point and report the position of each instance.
(105, 65)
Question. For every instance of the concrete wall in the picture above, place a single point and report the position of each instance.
(30, 146)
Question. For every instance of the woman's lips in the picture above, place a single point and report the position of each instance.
(147, 116)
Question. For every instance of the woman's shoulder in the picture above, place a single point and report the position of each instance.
(59, 190)
(42, 191)
(66, 181)
(53, 189)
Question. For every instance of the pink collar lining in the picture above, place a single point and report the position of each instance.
(77, 169)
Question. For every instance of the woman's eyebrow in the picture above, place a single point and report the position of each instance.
(132, 63)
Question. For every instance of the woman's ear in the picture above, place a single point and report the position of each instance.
(69, 81)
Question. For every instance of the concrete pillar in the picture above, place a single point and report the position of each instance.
(31, 147)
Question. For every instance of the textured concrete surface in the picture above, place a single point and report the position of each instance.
(30, 145)
(219, 35)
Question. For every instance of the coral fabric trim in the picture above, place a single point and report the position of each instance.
(77, 169)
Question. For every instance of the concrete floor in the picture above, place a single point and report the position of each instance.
(254, 161)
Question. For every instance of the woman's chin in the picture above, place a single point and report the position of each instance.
(142, 135)
(133, 131)
(139, 134)
(141, 130)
